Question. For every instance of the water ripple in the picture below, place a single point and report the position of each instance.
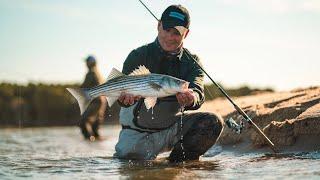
(61, 153)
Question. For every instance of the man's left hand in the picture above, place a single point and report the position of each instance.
(186, 98)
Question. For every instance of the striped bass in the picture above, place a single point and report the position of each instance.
(138, 83)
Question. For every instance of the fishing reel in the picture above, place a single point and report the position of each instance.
(233, 125)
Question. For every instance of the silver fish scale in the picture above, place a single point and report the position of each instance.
(136, 85)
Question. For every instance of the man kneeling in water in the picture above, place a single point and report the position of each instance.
(145, 133)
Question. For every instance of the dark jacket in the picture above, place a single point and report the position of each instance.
(92, 79)
(180, 66)
(167, 110)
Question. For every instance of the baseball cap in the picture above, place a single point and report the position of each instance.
(176, 16)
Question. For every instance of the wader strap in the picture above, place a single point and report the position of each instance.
(138, 130)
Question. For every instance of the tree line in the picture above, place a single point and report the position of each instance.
(39, 104)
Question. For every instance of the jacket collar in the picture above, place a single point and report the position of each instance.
(170, 55)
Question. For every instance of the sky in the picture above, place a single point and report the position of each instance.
(260, 43)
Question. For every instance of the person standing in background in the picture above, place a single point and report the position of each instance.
(93, 117)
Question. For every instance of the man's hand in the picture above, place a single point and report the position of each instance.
(128, 99)
(186, 98)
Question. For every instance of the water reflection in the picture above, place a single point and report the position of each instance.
(59, 153)
(161, 168)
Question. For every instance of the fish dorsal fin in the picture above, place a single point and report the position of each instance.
(150, 102)
(114, 73)
(141, 70)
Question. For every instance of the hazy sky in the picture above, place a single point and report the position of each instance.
(262, 43)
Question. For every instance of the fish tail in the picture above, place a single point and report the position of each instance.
(83, 98)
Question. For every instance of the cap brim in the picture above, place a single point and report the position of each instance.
(181, 29)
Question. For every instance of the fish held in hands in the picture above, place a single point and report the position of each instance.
(138, 83)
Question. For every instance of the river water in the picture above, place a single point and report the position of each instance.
(61, 153)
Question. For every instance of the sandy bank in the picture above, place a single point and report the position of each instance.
(290, 119)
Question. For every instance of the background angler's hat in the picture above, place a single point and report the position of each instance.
(90, 59)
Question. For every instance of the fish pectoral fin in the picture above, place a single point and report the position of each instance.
(114, 73)
(155, 86)
(111, 100)
(150, 102)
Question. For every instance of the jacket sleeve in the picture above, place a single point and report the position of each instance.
(133, 60)
(196, 79)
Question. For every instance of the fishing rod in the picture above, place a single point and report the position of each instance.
(230, 122)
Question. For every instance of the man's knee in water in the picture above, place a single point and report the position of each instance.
(211, 123)
(202, 135)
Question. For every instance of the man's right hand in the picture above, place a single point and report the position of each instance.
(128, 99)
